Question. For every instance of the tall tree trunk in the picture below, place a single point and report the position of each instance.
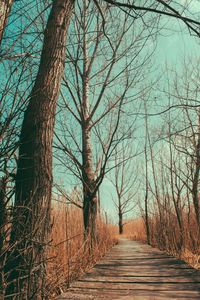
(31, 215)
(89, 184)
(146, 201)
(146, 179)
(5, 7)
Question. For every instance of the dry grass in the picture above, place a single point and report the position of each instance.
(135, 230)
(70, 256)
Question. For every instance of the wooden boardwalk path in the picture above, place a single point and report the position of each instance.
(132, 270)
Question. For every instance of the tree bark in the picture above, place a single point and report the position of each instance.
(5, 7)
(89, 185)
(31, 215)
(120, 222)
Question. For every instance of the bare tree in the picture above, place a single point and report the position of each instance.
(104, 67)
(183, 11)
(175, 185)
(187, 142)
(177, 164)
(125, 183)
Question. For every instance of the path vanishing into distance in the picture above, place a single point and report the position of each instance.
(133, 270)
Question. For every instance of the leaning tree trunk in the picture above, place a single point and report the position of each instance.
(31, 215)
(5, 7)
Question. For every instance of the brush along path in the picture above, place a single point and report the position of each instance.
(133, 270)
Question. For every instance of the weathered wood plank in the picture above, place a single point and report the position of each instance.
(132, 270)
(142, 279)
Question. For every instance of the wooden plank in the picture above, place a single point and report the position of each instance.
(176, 286)
(126, 295)
(142, 279)
(132, 270)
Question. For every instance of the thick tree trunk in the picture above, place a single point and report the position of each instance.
(89, 215)
(90, 197)
(5, 7)
(31, 216)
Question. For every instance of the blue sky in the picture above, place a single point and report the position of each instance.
(173, 45)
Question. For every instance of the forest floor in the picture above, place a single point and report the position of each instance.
(134, 270)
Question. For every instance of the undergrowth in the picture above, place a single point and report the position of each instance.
(166, 237)
(69, 255)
